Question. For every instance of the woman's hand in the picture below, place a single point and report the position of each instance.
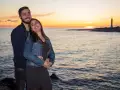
(48, 63)
(40, 57)
(48, 60)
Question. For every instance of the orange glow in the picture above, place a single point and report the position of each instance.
(50, 22)
(89, 27)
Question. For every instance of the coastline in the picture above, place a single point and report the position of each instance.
(107, 29)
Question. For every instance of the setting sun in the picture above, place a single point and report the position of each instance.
(89, 27)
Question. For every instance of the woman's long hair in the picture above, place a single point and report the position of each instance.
(34, 35)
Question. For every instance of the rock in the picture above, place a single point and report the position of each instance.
(54, 77)
(7, 84)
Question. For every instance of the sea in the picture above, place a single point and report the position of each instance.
(85, 60)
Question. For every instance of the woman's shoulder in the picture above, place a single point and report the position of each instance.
(37, 43)
(47, 40)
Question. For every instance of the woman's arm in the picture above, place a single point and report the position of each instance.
(29, 55)
(51, 54)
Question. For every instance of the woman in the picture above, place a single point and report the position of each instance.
(38, 44)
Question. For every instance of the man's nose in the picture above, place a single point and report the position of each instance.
(28, 15)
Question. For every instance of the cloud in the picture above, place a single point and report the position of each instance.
(10, 20)
(2, 20)
(16, 18)
(36, 15)
(11, 17)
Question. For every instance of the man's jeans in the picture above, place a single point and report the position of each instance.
(20, 76)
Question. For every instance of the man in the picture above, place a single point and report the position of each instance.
(18, 38)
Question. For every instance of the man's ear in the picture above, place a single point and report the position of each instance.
(20, 17)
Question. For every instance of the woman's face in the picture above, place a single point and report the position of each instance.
(35, 26)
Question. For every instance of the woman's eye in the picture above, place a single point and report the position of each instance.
(36, 22)
(32, 25)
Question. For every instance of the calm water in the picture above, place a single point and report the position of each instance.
(84, 60)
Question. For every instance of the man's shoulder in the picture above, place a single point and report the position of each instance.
(17, 29)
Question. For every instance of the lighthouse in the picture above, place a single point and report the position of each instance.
(111, 23)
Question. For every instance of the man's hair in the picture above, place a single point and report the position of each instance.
(21, 9)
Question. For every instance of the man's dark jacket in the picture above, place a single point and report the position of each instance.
(18, 38)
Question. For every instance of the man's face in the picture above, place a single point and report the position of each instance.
(25, 16)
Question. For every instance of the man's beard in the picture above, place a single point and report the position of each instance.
(25, 21)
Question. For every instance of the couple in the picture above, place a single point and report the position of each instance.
(33, 53)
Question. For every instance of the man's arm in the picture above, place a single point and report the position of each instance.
(18, 40)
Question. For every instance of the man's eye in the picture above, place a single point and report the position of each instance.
(28, 12)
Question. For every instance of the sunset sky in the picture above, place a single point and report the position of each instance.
(63, 13)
